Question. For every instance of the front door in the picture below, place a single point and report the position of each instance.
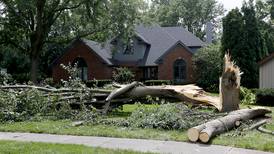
(179, 71)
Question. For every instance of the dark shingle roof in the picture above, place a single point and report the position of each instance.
(162, 39)
(102, 50)
(185, 36)
(159, 39)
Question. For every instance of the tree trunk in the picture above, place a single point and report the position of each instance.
(230, 86)
(34, 69)
(223, 124)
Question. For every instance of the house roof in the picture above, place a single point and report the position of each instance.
(266, 59)
(103, 50)
(159, 41)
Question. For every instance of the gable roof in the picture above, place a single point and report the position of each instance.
(103, 51)
(266, 59)
(159, 41)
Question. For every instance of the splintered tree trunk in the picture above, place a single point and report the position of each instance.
(212, 128)
(230, 86)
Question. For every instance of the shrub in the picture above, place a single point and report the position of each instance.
(97, 83)
(157, 82)
(20, 106)
(265, 97)
(208, 66)
(123, 75)
(247, 96)
(5, 78)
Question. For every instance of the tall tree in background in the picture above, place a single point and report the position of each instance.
(243, 39)
(265, 15)
(192, 14)
(29, 25)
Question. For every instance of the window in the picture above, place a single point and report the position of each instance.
(129, 48)
(82, 68)
(179, 70)
(150, 73)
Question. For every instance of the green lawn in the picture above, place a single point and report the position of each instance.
(13, 147)
(250, 139)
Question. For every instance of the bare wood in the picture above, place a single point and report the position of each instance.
(237, 123)
(226, 123)
(193, 133)
(120, 91)
(230, 86)
(258, 124)
(62, 90)
(266, 131)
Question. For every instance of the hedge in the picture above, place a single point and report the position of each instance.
(265, 97)
(157, 82)
(97, 83)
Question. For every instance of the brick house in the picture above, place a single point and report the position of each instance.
(154, 53)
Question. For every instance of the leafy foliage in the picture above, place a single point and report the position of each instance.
(247, 96)
(30, 26)
(168, 116)
(265, 97)
(244, 40)
(123, 75)
(193, 14)
(5, 78)
(208, 67)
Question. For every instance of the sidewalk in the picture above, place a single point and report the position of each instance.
(130, 144)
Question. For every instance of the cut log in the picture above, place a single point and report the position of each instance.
(230, 86)
(223, 124)
(193, 133)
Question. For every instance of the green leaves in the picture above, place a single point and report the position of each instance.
(193, 14)
(208, 67)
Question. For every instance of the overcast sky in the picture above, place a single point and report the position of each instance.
(231, 4)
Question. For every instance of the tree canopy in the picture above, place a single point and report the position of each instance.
(192, 14)
(28, 25)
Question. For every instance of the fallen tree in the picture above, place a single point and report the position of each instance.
(206, 131)
(106, 99)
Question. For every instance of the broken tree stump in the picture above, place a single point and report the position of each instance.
(214, 127)
(230, 86)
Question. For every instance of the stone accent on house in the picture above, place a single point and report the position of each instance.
(165, 68)
(97, 68)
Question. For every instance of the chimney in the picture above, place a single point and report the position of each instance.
(209, 32)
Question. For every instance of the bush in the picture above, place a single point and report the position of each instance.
(5, 78)
(265, 97)
(208, 66)
(97, 83)
(123, 75)
(157, 82)
(247, 96)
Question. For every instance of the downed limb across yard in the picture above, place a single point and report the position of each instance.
(206, 131)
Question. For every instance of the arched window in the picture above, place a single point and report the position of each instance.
(82, 68)
(179, 70)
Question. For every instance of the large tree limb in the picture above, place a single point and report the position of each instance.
(223, 124)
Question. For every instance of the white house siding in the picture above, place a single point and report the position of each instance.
(267, 75)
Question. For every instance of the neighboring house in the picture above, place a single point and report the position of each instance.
(267, 72)
(154, 53)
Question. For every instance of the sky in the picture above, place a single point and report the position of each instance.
(231, 4)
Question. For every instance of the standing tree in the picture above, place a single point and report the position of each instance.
(29, 25)
(243, 39)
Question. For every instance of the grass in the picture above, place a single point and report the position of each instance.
(13, 147)
(250, 139)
